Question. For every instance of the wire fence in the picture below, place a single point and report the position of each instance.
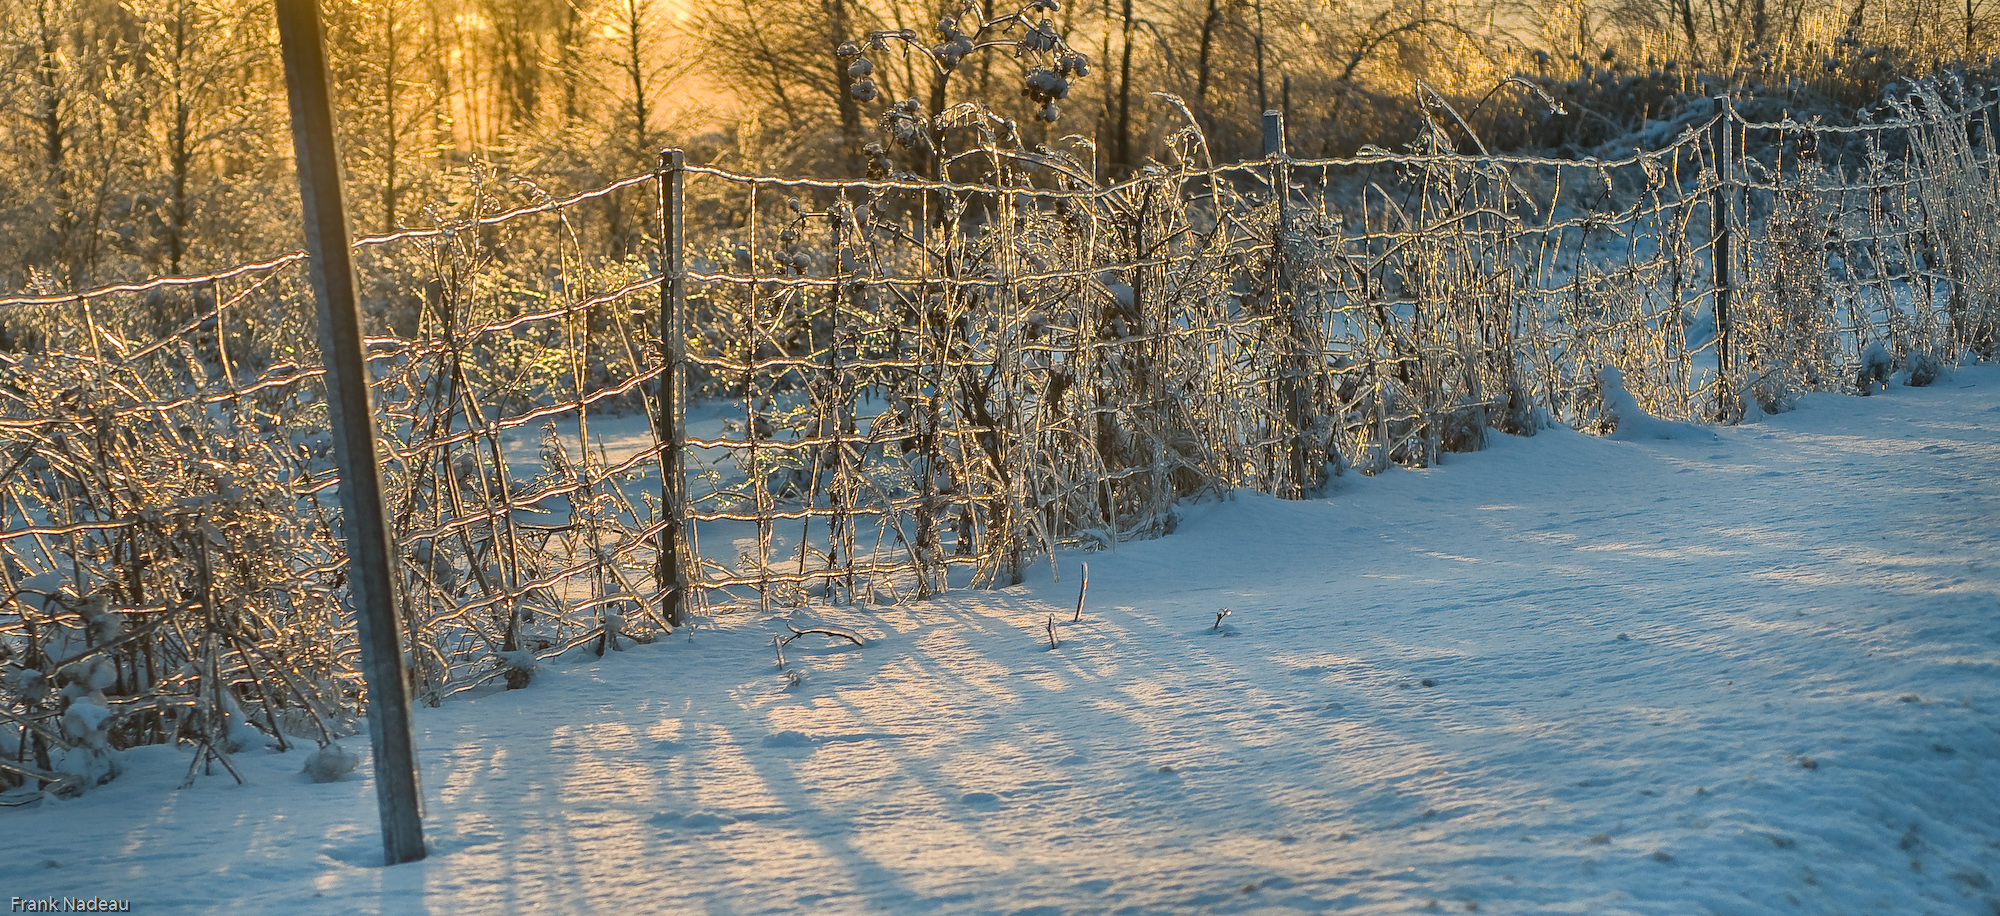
(871, 391)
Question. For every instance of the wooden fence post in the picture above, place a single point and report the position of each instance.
(371, 562)
(671, 569)
(838, 413)
(1719, 254)
(1293, 370)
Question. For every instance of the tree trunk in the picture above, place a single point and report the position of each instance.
(850, 110)
(49, 116)
(389, 39)
(1693, 35)
(180, 158)
(1201, 65)
(635, 70)
(1121, 139)
(1262, 104)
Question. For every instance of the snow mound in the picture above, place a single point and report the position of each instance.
(1631, 422)
(331, 763)
(1922, 368)
(1877, 365)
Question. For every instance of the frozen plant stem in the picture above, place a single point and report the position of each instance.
(1081, 587)
(1051, 627)
(1218, 619)
(779, 644)
(823, 631)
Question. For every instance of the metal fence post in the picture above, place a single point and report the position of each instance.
(671, 571)
(1291, 387)
(371, 563)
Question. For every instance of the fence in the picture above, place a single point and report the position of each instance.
(883, 389)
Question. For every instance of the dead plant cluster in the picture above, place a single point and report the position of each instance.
(899, 386)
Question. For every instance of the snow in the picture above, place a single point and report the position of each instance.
(330, 763)
(1753, 672)
(1630, 421)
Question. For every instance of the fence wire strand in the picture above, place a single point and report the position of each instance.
(897, 387)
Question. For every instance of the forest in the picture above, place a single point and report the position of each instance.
(148, 137)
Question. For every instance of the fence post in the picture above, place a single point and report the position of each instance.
(371, 564)
(1291, 377)
(672, 564)
(1719, 254)
(838, 409)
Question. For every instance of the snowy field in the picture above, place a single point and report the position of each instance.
(1754, 671)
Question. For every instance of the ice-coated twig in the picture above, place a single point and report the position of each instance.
(823, 631)
(1081, 587)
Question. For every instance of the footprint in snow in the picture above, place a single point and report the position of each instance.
(788, 738)
(699, 821)
(984, 800)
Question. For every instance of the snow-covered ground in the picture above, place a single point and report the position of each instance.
(1757, 672)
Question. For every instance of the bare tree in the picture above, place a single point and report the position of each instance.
(72, 77)
(196, 55)
(779, 58)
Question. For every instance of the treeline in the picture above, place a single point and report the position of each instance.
(152, 136)
(144, 137)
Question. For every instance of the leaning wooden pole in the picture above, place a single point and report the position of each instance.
(371, 569)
